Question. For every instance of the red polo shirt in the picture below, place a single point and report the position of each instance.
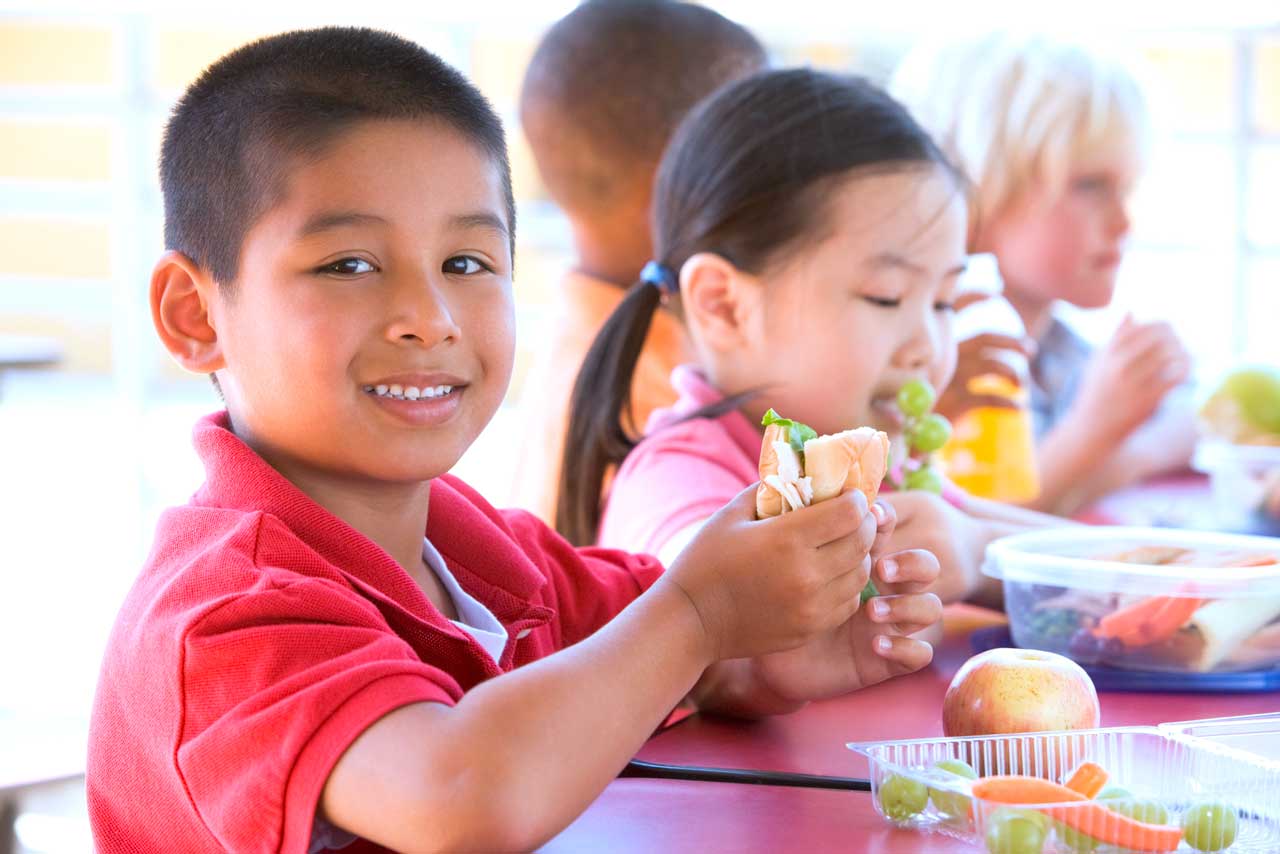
(265, 634)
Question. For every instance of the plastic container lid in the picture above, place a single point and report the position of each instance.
(1211, 454)
(1068, 557)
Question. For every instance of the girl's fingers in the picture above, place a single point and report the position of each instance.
(906, 614)
(886, 518)
(886, 522)
(910, 571)
(909, 654)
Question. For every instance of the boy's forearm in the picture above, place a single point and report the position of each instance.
(733, 688)
(523, 754)
(547, 756)
(1009, 518)
(1074, 467)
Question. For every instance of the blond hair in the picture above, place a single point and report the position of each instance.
(1014, 110)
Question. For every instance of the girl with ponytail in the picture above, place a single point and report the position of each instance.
(809, 234)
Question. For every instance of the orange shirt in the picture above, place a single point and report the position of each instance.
(585, 304)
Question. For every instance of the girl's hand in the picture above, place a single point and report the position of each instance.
(875, 644)
(927, 521)
(764, 586)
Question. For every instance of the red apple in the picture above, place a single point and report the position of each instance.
(1007, 691)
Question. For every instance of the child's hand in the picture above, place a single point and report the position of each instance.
(976, 357)
(1126, 380)
(765, 586)
(927, 521)
(870, 647)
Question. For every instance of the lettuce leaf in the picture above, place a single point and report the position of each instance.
(797, 433)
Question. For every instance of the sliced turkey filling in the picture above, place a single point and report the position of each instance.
(795, 489)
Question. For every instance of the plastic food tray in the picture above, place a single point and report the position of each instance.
(1169, 764)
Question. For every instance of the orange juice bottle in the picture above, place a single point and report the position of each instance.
(992, 449)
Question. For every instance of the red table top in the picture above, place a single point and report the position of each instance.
(659, 815)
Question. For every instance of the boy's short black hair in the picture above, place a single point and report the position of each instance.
(609, 83)
(237, 131)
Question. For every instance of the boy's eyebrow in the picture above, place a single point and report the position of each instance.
(327, 220)
(893, 260)
(481, 219)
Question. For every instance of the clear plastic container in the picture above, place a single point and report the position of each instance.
(1167, 773)
(1245, 480)
(1258, 735)
(1143, 598)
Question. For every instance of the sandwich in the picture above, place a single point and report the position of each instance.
(798, 467)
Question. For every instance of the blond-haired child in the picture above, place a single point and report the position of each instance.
(1053, 136)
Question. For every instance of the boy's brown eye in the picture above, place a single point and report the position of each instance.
(463, 265)
(348, 267)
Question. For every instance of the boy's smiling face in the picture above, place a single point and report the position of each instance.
(386, 263)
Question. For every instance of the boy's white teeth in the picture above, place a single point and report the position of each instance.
(408, 392)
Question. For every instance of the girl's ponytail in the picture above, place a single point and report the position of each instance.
(600, 407)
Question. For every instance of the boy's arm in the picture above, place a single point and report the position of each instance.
(523, 754)
(1078, 466)
(1114, 432)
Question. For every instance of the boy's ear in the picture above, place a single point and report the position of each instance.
(716, 299)
(181, 294)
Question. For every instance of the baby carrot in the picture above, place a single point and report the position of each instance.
(1078, 812)
(1088, 779)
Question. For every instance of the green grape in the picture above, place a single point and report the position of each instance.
(1256, 390)
(929, 433)
(1073, 840)
(925, 478)
(1114, 793)
(916, 397)
(1210, 827)
(1150, 812)
(901, 797)
(953, 804)
(1011, 831)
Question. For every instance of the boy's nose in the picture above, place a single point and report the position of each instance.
(420, 312)
(1119, 222)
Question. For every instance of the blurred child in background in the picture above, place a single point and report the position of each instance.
(602, 95)
(1053, 137)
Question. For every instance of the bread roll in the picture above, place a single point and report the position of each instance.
(854, 459)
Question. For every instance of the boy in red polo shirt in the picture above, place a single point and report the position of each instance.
(298, 668)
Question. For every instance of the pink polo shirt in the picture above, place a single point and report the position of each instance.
(682, 472)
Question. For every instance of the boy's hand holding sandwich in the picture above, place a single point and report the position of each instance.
(846, 646)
